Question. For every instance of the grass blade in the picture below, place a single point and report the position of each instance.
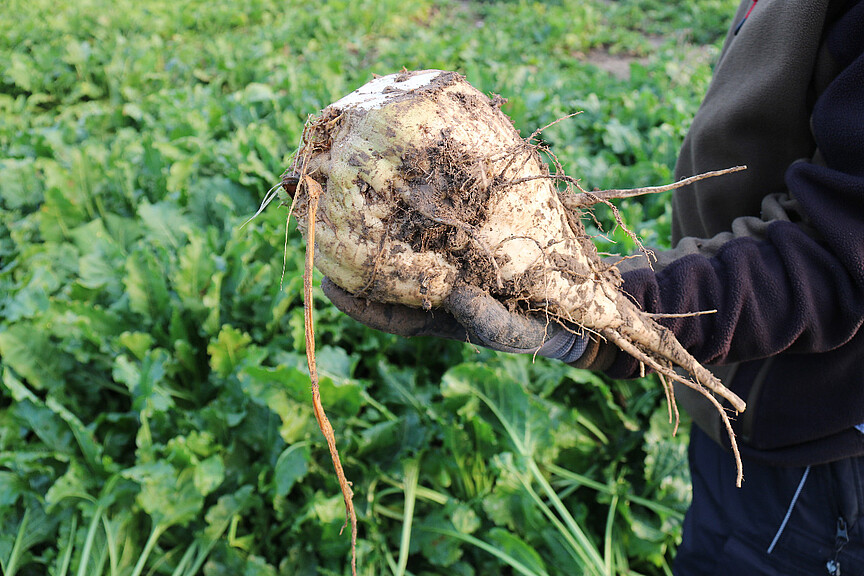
(19, 546)
(485, 546)
(155, 533)
(606, 489)
(571, 530)
(580, 545)
(66, 559)
(412, 476)
(607, 548)
(180, 570)
(88, 543)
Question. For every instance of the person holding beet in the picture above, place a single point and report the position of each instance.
(778, 251)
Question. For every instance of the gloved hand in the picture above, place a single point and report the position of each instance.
(469, 315)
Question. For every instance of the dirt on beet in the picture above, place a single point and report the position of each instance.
(450, 185)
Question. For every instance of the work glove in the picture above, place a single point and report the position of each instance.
(469, 314)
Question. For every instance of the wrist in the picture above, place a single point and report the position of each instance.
(565, 345)
(598, 356)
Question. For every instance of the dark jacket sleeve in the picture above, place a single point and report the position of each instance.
(797, 286)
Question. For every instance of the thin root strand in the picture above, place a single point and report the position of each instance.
(313, 191)
(586, 199)
(637, 353)
(671, 404)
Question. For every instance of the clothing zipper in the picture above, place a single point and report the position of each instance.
(841, 538)
(740, 24)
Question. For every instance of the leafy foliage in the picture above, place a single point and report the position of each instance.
(154, 408)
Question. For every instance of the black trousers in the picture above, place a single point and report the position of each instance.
(789, 521)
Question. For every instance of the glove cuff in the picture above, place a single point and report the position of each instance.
(566, 345)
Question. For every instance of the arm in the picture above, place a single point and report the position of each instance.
(791, 280)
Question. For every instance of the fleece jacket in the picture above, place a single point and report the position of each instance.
(776, 250)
